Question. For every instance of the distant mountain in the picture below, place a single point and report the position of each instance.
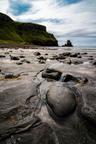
(24, 33)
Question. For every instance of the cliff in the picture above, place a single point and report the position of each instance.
(25, 33)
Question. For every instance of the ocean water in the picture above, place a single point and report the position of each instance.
(82, 47)
(75, 48)
(85, 47)
(89, 50)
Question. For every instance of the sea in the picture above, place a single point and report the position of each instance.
(76, 48)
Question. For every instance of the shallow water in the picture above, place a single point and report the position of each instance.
(85, 48)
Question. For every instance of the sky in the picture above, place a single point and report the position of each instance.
(66, 19)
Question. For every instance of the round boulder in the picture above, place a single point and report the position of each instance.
(61, 99)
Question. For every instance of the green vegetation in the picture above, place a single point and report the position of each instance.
(24, 33)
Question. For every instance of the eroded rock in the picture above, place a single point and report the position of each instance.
(37, 53)
(14, 57)
(39, 133)
(87, 103)
(51, 74)
(25, 61)
(61, 99)
(2, 56)
(18, 104)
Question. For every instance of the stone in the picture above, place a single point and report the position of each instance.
(22, 56)
(42, 61)
(55, 57)
(64, 54)
(14, 57)
(76, 62)
(61, 99)
(68, 77)
(2, 56)
(61, 56)
(73, 79)
(9, 75)
(41, 58)
(68, 61)
(19, 63)
(51, 74)
(25, 61)
(74, 55)
(79, 56)
(94, 63)
(6, 53)
(37, 53)
(85, 53)
(90, 58)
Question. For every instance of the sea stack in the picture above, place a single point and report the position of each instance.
(68, 44)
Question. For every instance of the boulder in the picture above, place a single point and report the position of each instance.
(68, 77)
(76, 62)
(22, 56)
(19, 63)
(41, 58)
(73, 79)
(79, 56)
(2, 56)
(74, 55)
(94, 63)
(25, 61)
(51, 74)
(41, 61)
(14, 57)
(61, 56)
(68, 61)
(9, 75)
(61, 99)
(37, 53)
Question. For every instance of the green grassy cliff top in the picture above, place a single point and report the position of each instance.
(26, 33)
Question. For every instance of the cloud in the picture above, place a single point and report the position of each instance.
(66, 19)
(4, 6)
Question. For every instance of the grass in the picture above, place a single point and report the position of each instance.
(27, 33)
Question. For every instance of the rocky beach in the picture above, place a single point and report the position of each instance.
(47, 95)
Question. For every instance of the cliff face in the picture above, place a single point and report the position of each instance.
(27, 33)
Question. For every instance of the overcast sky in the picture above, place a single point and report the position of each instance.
(66, 19)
